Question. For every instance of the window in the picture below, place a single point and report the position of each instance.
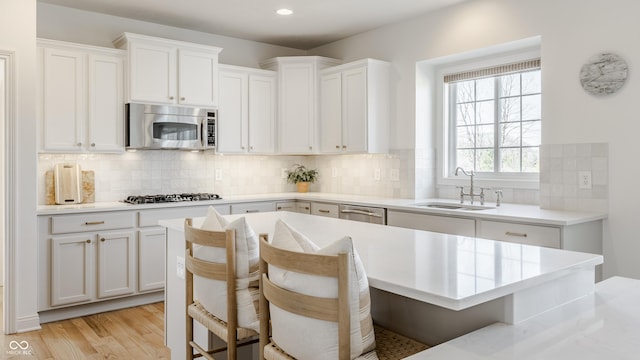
(494, 119)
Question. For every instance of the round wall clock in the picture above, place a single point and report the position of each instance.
(603, 74)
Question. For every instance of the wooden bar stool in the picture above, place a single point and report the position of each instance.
(388, 345)
(228, 331)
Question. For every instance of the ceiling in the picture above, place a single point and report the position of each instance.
(312, 24)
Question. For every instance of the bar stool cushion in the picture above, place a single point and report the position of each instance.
(307, 338)
(212, 294)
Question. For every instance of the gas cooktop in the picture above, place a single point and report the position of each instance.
(168, 198)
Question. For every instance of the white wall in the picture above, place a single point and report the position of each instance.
(18, 34)
(571, 31)
(84, 27)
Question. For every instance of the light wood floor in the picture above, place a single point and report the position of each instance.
(134, 333)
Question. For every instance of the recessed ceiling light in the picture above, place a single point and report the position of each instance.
(284, 12)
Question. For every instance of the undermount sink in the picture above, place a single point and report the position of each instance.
(451, 206)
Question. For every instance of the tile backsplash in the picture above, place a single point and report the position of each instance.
(399, 174)
(560, 167)
(163, 172)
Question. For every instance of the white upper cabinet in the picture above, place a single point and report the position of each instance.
(354, 108)
(298, 83)
(247, 111)
(170, 72)
(81, 100)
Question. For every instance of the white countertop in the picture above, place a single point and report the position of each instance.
(450, 271)
(603, 325)
(506, 212)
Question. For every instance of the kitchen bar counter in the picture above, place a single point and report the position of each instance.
(602, 325)
(506, 212)
(468, 282)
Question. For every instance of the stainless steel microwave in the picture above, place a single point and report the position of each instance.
(169, 127)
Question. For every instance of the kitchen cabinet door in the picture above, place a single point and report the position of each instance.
(81, 98)
(297, 108)
(72, 269)
(106, 103)
(152, 72)
(354, 108)
(115, 263)
(197, 78)
(233, 117)
(331, 113)
(151, 259)
(164, 71)
(247, 111)
(262, 113)
(63, 103)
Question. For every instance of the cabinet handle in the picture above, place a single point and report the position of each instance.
(306, 208)
(337, 146)
(242, 147)
(93, 144)
(182, 99)
(103, 239)
(324, 211)
(310, 147)
(79, 144)
(509, 233)
(252, 211)
(344, 146)
(94, 223)
(170, 97)
(88, 241)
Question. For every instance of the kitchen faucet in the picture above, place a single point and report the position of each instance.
(471, 193)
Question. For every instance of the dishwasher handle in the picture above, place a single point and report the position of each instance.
(360, 212)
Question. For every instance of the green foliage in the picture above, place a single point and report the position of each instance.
(299, 173)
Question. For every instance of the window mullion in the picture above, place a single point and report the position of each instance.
(496, 122)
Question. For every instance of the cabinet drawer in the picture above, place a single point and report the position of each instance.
(328, 210)
(92, 222)
(519, 233)
(252, 207)
(303, 207)
(286, 206)
(435, 223)
(151, 217)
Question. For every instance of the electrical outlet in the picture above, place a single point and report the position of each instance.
(180, 267)
(584, 180)
(376, 174)
(218, 174)
(394, 175)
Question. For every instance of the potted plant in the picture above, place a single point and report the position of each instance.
(301, 176)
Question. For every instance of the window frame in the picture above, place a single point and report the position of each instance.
(445, 168)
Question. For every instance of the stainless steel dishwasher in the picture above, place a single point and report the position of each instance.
(372, 215)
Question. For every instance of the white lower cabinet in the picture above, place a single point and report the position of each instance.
(436, 223)
(80, 263)
(115, 263)
(72, 265)
(151, 258)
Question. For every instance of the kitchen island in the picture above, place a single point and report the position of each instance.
(430, 286)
